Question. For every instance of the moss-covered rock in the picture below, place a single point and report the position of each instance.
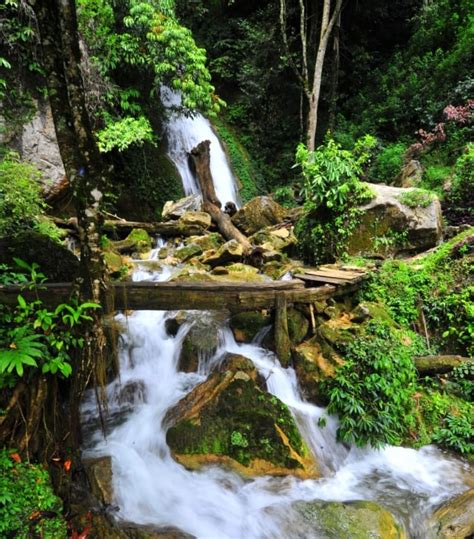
(338, 520)
(259, 213)
(389, 226)
(138, 241)
(229, 420)
(298, 326)
(231, 251)
(187, 252)
(245, 326)
(99, 474)
(209, 241)
(314, 362)
(54, 260)
(278, 238)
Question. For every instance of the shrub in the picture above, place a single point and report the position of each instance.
(387, 163)
(332, 191)
(372, 392)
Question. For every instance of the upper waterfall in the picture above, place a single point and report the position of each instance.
(183, 133)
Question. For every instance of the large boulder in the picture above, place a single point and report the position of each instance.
(455, 518)
(229, 420)
(338, 520)
(176, 209)
(207, 242)
(257, 214)
(397, 220)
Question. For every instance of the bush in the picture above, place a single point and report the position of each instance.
(372, 392)
(28, 506)
(332, 192)
(388, 163)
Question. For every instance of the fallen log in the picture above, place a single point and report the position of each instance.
(201, 158)
(432, 365)
(166, 296)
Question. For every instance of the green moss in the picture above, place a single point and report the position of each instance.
(28, 506)
(241, 425)
(249, 323)
(149, 179)
(416, 198)
(251, 180)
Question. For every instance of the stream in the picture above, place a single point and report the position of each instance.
(152, 488)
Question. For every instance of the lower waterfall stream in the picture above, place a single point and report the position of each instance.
(151, 488)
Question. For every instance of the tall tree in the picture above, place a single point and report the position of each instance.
(61, 56)
(310, 79)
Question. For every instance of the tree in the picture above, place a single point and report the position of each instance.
(310, 84)
(60, 60)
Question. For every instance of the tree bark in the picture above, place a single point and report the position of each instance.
(211, 204)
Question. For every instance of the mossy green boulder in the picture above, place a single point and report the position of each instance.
(229, 420)
(138, 241)
(259, 213)
(340, 520)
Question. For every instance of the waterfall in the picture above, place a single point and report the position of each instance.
(183, 133)
(150, 487)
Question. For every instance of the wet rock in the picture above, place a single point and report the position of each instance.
(99, 473)
(338, 520)
(198, 218)
(274, 238)
(229, 420)
(174, 210)
(313, 363)
(201, 340)
(187, 252)
(298, 326)
(54, 260)
(135, 531)
(133, 392)
(388, 226)
(231, 251)
(259, 213)
(455, 518)
(207, 242)
(245, 326)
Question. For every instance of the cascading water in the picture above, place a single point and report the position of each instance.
(183, 133)
(151, 488)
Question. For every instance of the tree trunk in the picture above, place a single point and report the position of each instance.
(57, 26)
(327, 24)
(211, 204)
(334, 75)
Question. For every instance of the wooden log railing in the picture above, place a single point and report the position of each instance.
(146, 295)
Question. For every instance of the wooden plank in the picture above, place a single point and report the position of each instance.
(343, 274)
(325, 279)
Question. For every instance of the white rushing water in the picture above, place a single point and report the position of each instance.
(151, 488)
(183, 133)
